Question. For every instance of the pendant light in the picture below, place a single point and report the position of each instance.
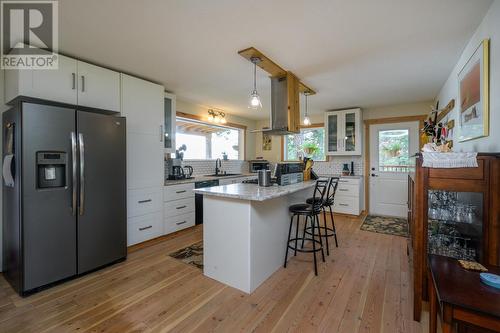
(254, 102)
(307, 121)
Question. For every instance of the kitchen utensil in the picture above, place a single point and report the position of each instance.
(264, 178)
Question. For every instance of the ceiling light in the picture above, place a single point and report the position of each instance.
(255, 102)
(307, 121)
(216, 117)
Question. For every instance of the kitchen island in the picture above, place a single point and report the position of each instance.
(245, 230)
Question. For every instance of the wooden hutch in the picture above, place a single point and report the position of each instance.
(453, 212)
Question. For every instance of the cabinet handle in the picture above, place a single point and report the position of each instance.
(178, 192)
(346, 205)
(145, 228)
(161, 133)
(343, 181)
(343, 190)
(179, 223)
(144, 201)
(73, 75)
(83, 83)
(181, 207)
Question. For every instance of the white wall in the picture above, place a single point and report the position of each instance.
(489, 28)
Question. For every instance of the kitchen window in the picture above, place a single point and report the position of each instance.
(309, 143)
(208, 141)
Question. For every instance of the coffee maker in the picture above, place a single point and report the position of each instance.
(174, 165)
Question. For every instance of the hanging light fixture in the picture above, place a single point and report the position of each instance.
(307, 121)
(217, 117)
(255, 102)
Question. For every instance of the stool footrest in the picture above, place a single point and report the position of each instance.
(292, 247)
(325, 231)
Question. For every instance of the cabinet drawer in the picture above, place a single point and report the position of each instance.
(346, 205)
(176, 192)
(140, 202)
(176, 223)
(459, 173)
(347, 190)
(349, 181)
(179, 207)
(143, 228)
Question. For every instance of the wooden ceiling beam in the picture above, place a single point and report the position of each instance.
(271, 67)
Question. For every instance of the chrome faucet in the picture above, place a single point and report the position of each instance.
(218, 165)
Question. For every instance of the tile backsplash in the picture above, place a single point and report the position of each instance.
(207, 167)
(332, 167)
(335, 164)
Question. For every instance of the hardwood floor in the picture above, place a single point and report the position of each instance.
(364, 287)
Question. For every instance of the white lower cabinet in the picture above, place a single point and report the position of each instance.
(144, 227)
(349, 196)
(179, 207)
(176, 223)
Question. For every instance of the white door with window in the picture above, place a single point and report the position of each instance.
(391, 146)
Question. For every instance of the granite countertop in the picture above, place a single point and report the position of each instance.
(254, 192)
(203, 178)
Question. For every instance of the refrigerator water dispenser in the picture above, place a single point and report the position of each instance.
(51, 168)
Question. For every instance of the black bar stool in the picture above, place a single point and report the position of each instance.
(310, 211)
(328, 202)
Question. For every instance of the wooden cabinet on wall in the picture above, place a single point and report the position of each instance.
(343, 132)
(455, 213)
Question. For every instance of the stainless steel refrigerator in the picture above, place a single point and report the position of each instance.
(64, 193)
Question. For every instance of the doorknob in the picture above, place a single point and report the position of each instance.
(374, 175)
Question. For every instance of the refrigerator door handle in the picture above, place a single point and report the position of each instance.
(82, 173)
(74, 167)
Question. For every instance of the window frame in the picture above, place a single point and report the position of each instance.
(316, 125)
(229, 125)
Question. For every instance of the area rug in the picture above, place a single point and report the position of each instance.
(191, 255)
(386, 225)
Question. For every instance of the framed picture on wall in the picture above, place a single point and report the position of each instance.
(267, 143)
(473, 95)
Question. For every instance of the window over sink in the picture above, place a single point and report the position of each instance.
(209, 141)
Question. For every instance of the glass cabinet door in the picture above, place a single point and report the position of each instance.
(332, 132)
(169, 126)
(455, 224)
(350, 132)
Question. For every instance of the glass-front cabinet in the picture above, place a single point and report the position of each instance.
(455, 224)
(169, 126)
(343, 132)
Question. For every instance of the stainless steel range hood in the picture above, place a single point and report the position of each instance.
(285, 114)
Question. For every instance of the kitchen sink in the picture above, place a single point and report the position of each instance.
(224, 175)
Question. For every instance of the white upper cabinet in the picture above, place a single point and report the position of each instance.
(169, 127)
(343, 132)
(74, 82)
(143, 105)
(58, 85)
(98, 87)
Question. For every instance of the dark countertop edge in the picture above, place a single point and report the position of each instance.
(170, 182)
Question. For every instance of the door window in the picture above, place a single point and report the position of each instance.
(393, 151)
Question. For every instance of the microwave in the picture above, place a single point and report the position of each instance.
(256, 165)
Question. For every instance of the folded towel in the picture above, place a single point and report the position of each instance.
(449, 160)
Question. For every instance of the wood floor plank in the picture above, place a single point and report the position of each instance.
(365, 285)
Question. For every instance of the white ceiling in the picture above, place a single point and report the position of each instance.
(352, 52)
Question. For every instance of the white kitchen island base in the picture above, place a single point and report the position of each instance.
(244, 240)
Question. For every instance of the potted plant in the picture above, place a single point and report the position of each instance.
(310, 148)
(393, 149)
